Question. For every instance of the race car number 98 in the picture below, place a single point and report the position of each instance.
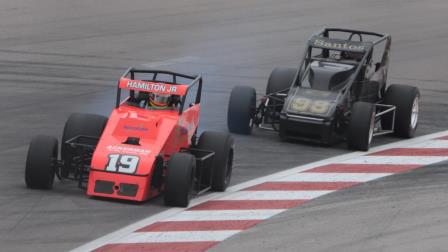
(122, 163)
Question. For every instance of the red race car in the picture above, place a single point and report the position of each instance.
(148, 145)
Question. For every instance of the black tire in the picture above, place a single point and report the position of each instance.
(76, 125)
(179, 180)
(41, 162)
(222, 145)
(241, 110)
(361, 125)
(403, 98)
(280, 79)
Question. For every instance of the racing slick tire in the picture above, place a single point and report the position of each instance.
(76, 125)
(241, 110)
(280, 79)
(222, 145)
(41, 162)
(406, 100)
(179, 180)
(361, 126)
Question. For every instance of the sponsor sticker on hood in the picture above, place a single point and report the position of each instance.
(128, 150)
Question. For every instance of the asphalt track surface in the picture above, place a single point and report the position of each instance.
(59, 57)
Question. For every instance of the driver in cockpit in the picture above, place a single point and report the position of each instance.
(162, 101)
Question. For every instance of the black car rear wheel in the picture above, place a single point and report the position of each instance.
(41, 162)
(280, 79)
(179, 180)
(76, 125)
(361, 126)
(241, 110)
(222, 145)
(406, 100)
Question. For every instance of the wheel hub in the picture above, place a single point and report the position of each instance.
(415, 111)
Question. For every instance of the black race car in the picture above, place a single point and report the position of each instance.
(337, 93)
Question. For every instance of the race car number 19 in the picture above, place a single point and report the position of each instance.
(122, 163)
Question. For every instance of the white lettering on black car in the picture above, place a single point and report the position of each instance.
(336, 45)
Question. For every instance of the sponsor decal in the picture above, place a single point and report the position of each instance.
(301, 105)
(320, 107)
(151, 87)
(336, 45)
(135, 128)
(132, 150)
(122, 163)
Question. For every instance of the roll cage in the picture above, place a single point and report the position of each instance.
(193, 81)
(332, 39)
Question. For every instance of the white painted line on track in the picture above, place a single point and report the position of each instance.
(276, 195)
(222, 215)
(395, 160)
(432, 144)
(110, 238)
(176, 236)
(332, 177)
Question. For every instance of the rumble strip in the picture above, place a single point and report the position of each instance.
(218, 216)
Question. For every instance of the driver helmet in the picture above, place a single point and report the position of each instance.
(352, 55)
(159, 101)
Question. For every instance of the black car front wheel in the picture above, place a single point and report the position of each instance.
(406, 99)
(361, 126)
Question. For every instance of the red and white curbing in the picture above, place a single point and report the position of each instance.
(218, 216)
